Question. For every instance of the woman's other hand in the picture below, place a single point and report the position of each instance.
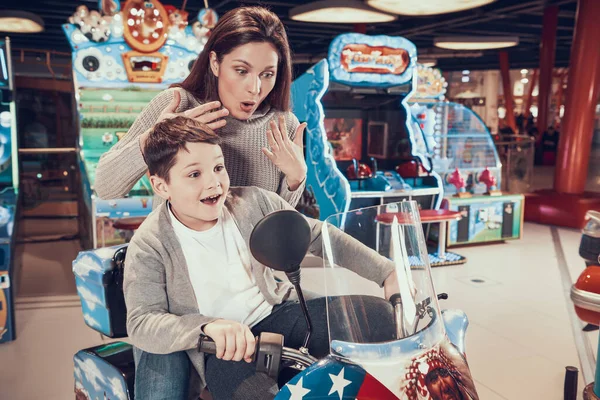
(287, 155)
(209, 114)
(234, 341)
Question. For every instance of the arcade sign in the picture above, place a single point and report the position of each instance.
(362, 60)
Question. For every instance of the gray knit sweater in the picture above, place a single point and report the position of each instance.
(123, 165)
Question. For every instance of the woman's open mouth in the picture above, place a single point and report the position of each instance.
(212, 200)
(247, 106)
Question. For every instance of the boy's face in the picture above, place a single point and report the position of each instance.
(198, 185)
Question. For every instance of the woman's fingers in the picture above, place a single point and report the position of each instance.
(212, 116)
(276, 134)
(202, 109)
(283, 129)
(172, 107)
(272, 142)
(218, 124)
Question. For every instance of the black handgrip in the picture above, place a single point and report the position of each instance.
(206, 345)
(396, 299)
(442, 296)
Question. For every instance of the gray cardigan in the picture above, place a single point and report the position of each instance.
(162, 312)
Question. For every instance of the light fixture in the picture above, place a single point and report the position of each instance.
(20, 22)
(475, 43)
(426, 7)
(524, 71)
(466, 72)
(524, 80)
(339, 11)
(465, 79)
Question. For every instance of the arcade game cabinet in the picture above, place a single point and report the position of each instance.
(463, 152)
(121, 60)
(360, 131)
(9, 178)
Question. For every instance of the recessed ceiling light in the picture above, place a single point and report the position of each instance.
(339, 11)
(425, 7)
(20, 22)
(475, 43)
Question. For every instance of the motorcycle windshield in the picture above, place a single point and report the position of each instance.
(362, 249)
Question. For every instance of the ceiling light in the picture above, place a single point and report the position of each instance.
(425, 7)
(20, 22)
(475, 43)
(466, 72)
(339, 11)
(465, 79)
(524, 71)
(524, 80)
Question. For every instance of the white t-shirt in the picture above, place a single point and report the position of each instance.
(218, 263)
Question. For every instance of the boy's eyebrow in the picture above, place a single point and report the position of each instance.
(197, 163)
(250, 65)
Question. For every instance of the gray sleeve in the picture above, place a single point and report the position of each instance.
(123, 165)
(292, 197)
(150, 326)
(356, 256)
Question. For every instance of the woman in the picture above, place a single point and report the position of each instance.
(239, 86)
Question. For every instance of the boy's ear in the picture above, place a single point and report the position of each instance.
(214, 63)
(160, 187)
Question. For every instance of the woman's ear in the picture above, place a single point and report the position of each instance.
(160, 187)
(214, 63)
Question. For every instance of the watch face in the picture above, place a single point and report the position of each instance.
(145, 25)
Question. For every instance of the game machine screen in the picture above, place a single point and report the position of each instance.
(463, 153)
(8, 192)
(360, 132)
(124, 54)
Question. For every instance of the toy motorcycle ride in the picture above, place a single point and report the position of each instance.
(413, 352)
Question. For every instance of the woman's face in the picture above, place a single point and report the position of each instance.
(246, 76)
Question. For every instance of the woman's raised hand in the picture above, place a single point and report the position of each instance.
(208, 113)
(234, 341)
(287, 155)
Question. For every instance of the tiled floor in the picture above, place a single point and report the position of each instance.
(519, 341)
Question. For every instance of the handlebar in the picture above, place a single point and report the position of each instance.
(269, 355)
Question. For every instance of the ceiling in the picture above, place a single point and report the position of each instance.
(309, 41)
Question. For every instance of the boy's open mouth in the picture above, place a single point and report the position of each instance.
(211, 200)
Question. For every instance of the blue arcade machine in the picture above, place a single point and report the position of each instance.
(121, 60)
(9, 179)
(363, 146)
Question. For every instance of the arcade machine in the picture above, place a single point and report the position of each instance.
(121, 60)
(9, 178)
(360, 131)
(463, 152)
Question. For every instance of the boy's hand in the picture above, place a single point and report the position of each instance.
(391, 285)
(234, 341)
(288, 156)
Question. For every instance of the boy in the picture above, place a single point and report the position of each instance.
(189, 271)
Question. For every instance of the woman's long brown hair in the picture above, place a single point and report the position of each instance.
(236, 28)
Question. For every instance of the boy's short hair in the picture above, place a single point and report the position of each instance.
(168, 137)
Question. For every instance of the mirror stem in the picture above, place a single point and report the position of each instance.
(294, 278)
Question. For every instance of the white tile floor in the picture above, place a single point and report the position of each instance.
(518, 343)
